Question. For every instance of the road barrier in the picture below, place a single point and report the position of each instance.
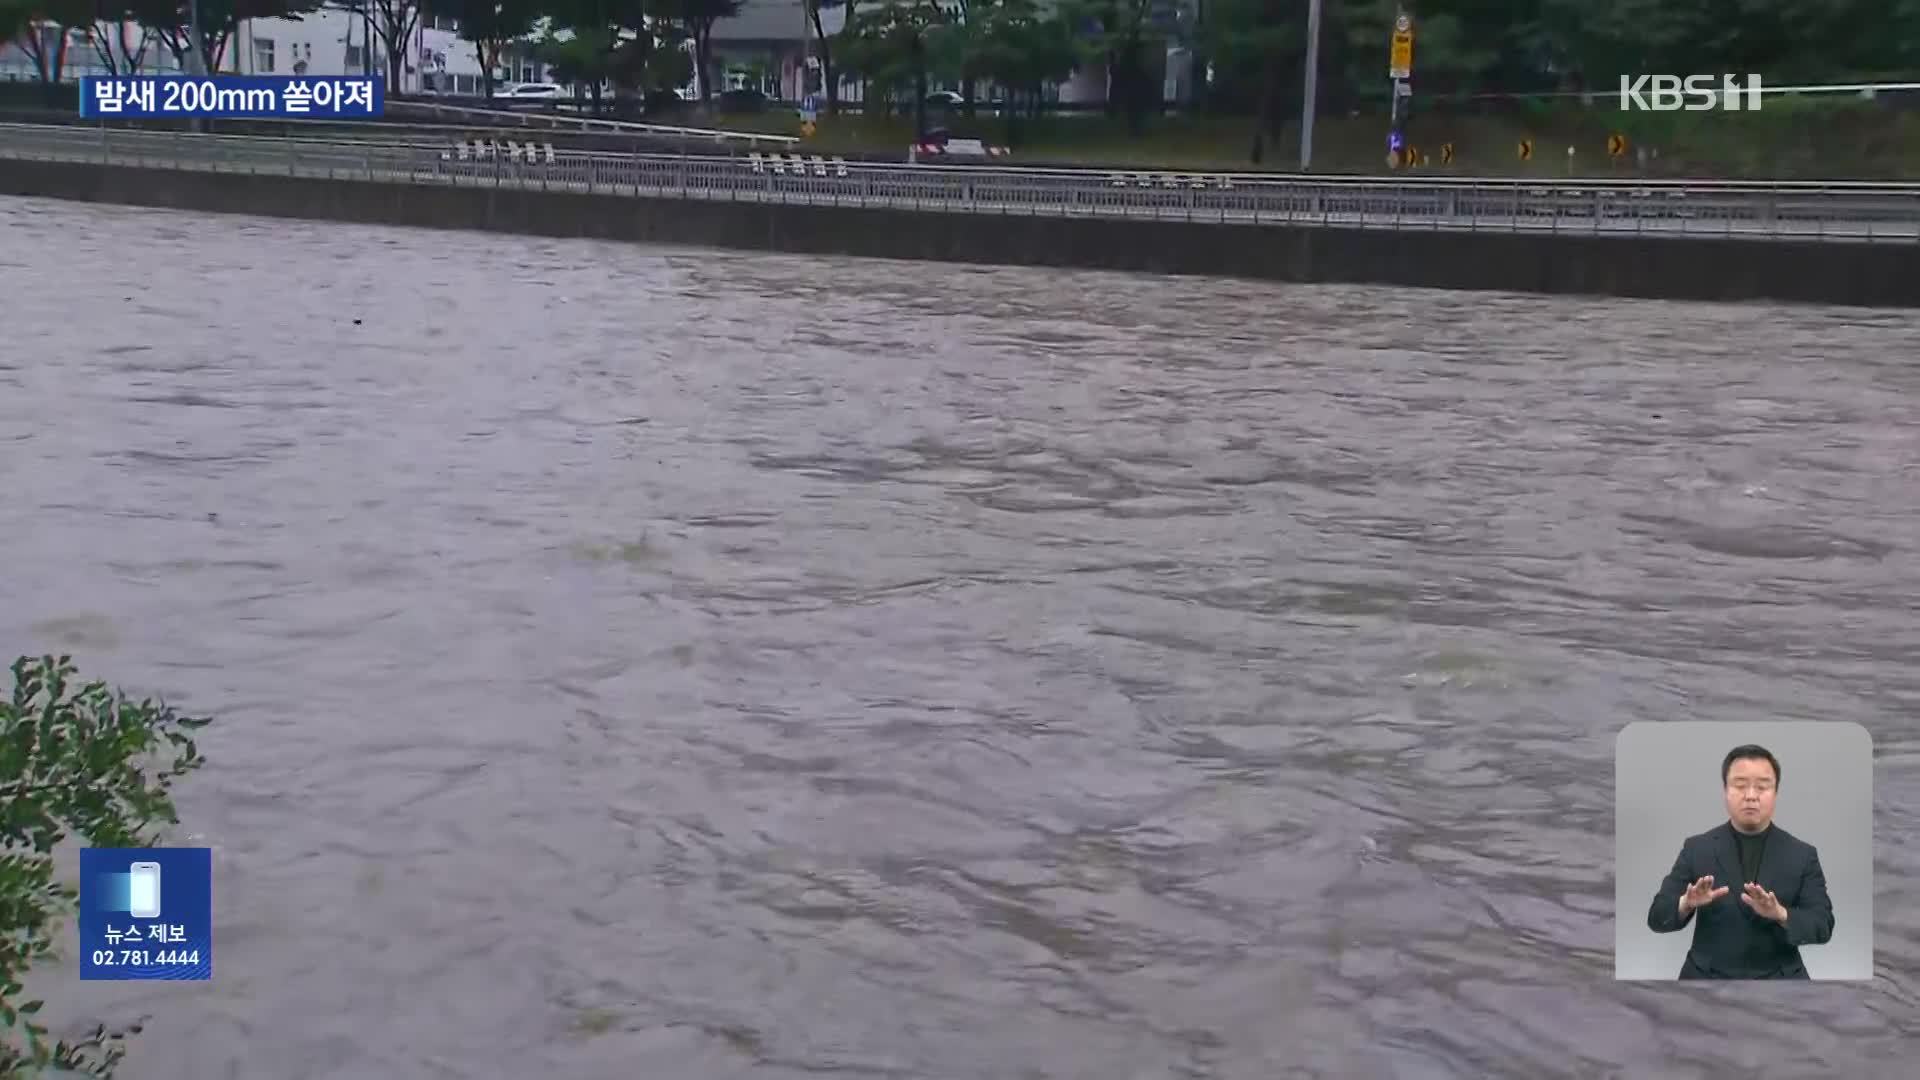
(1838, 211)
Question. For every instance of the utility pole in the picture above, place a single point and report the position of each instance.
(197, 44)
(1307, 106)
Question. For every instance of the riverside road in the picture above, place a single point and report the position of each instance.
(645, 662)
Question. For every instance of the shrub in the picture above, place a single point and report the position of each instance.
(77, 760)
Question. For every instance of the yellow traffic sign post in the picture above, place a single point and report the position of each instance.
(1400, 61)
(1526, 149)
(1446, 153)
(1400, 70)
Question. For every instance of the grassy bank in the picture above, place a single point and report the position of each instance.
(1789, 139)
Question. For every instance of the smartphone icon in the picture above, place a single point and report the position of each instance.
(143, 890)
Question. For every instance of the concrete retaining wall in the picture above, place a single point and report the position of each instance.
(1879, 275)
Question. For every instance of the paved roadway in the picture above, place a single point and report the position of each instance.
(1577, 209)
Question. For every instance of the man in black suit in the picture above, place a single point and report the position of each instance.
(1782, 902)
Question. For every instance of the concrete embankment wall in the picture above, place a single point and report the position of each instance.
(1703, 268)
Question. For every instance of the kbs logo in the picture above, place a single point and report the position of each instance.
(1695, 93)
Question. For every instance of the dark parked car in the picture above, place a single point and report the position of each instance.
(742, 101)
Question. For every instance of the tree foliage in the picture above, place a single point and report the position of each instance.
(20, 19)
(696, 19)
(393, 23)
(491, 27)
(171, 22)
(1469, 46)
(1241, 56)
(598, 42)
(76, 760)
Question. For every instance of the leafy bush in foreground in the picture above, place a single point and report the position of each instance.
(83, 760)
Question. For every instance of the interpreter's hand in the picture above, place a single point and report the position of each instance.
(1764, 904)
(1699, 895)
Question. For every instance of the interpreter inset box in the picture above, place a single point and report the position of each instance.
(1743, 851)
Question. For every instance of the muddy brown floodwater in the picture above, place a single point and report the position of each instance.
(659, 663)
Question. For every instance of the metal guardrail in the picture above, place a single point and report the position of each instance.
(563, 121)
(1857, 212)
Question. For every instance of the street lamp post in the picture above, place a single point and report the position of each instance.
(198, 42)
(197, 45)
(1313, 86)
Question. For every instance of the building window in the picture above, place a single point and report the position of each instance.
(263, 56)
(356, 63)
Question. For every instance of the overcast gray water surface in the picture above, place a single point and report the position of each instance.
(656, 663)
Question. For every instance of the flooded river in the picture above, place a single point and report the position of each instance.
(674, 664)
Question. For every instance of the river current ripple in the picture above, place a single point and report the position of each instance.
(639, 662)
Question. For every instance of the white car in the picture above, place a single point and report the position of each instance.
(533, 94)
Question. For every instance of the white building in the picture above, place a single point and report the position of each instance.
(330, 41)
(333, 41)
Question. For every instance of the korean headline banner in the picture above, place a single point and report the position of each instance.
(232, 96)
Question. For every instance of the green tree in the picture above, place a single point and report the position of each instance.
(1126, 35)
(75, 760)
(823, 44)
(1020, 48)
(171, 23)
(394, 23)
(118, 41)
(39, 28)
(491, 26)
(1257, 48)
(696, 18)
(605, 43)
(892, 46)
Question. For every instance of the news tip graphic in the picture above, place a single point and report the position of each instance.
(146, 913)
(232, 96)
